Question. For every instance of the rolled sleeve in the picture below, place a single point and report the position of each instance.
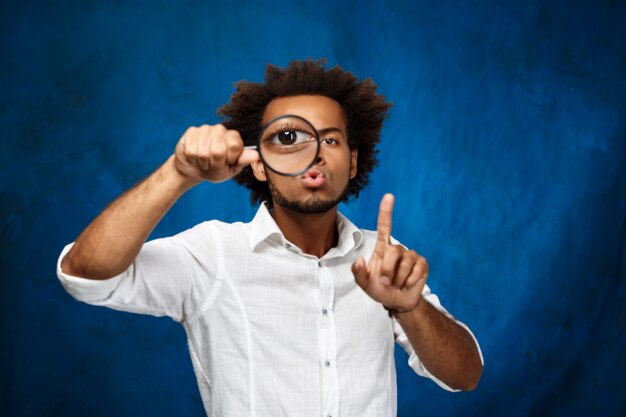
(83, 289)
(167, 278)
(414, 362)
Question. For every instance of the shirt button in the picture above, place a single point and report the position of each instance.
(319, 263)
(287, 245)
(327, 364)
(324, 312)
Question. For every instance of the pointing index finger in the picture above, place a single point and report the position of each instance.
(384, 218)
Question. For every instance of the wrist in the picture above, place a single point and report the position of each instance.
(402, 313)
(175, 179)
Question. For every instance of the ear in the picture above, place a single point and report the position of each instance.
(258, 170)
(354, 156)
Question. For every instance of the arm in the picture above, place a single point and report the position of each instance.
(112, 241)
(396, 277)
(446, 349)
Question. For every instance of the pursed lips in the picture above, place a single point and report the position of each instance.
(313, 178)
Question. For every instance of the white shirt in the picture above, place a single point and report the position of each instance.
(271, 331)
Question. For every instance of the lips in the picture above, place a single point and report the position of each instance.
(313, 178)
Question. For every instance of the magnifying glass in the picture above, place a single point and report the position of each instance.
(288, 145)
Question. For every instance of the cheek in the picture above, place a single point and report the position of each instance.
(282, 183)
(342, 161)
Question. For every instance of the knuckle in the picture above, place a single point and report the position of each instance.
(234, 142)
(218, 154)
(189, 152)
(189, 134)
(408, 262)
(389, 255)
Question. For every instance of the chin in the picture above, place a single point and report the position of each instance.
(308, 201)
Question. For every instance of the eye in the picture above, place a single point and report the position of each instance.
(329, 141)
(290, 137)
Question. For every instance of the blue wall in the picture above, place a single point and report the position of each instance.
(506, 151)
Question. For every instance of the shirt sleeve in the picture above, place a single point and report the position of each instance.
(414, 361)
(170, 277)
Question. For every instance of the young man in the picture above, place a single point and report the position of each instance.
(296, 312)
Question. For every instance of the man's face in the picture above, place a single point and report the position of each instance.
(325, 184)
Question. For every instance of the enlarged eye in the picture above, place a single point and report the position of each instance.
(291, 137)
(288, 137)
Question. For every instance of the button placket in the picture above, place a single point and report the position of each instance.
(327, 338)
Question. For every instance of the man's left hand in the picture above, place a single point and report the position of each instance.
(394, 276)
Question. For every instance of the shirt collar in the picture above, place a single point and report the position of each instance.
(264, 228)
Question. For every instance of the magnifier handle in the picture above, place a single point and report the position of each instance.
(251, 147)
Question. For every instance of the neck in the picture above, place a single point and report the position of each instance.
(314, 234)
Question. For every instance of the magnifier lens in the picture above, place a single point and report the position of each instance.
(289, 145)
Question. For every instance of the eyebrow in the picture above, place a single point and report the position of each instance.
(330, 129)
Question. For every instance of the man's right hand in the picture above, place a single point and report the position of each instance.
(211, 153)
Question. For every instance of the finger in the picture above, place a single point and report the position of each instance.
(360, 273)
(414, 292)
(247, 157)
(383, 226)
(373, 265)
(409, 298)
(203, 147)
(191, 146)
(234, 146)
(218, 147)
(419, 272)
(389, 264)
(405, 267)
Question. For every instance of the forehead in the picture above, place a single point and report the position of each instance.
(321, 111)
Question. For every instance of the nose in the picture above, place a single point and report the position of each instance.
(320, 158)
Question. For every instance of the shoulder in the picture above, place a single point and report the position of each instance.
(372, 236)
(212, 230)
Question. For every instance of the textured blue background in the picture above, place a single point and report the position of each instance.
(505, 148)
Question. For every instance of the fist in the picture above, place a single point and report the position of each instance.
(211, 153)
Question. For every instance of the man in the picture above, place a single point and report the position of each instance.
(296, 312)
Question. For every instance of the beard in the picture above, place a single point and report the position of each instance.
(312, 206)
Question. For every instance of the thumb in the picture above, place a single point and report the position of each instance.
(247, 157)
(360, 273)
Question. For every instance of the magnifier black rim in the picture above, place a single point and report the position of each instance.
(317, 151)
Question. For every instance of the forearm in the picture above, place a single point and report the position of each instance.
(112, 241)
(446, 349)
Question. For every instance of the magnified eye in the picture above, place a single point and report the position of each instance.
(291, 137)
(287, 137)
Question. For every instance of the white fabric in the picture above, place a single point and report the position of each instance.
(271, 331)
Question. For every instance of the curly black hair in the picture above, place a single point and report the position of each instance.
(365, 110)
